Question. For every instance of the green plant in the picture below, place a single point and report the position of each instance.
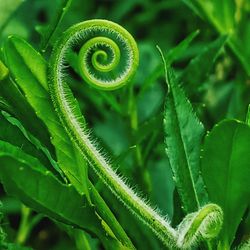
(48, 140)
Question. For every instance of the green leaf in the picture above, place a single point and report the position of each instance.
(226, 171)
(170, 57)
(46, 194)
(177, 51)
(7, 9)
(3, 71)
(198, 68)
(48, 31)
(12, 131)
(29, 70)
(42, 191)
(248, 115)
(221, 14)
(183, 137)
(20, 108)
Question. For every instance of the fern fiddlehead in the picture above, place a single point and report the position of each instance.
(205, 223)
(107, 59)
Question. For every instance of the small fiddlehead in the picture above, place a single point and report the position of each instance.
(107, 59)
(204, 224)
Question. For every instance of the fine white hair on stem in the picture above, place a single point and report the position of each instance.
(74, 123)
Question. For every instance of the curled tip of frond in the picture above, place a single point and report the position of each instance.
(206, 224)
(108, 56)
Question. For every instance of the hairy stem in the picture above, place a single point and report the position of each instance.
(108, 59)
(72, 120)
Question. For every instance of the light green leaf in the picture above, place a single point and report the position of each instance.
(3, 71)
(183, 137)
(30, 72)
(15, 104)
(226, 171)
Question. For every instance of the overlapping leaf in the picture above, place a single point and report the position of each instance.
(226, 171)
(183, 137)
(29, 70)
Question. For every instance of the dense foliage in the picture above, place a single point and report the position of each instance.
(170, 168)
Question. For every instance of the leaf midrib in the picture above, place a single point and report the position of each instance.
(184, 148)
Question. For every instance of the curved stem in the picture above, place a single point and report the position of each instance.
(100, 55)
(73, 122)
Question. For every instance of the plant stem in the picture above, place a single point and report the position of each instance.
(141, 175)
(26, 225)
(24, 228)
(81, 240)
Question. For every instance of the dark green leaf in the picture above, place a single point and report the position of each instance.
(183, 137)
(42, 191)
(222, 15)
(48, 31)
(13, 132)
(198, 68)
(45, 194)
(29, 70)
(226, 171)
(170, 57)
(10, 133)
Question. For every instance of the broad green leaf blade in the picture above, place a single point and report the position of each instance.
(198, 68)
(45, 194)
(183, 137)
(10, 133)
(226, 171)
(20, 108)
(29, 70)
(42, 190)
